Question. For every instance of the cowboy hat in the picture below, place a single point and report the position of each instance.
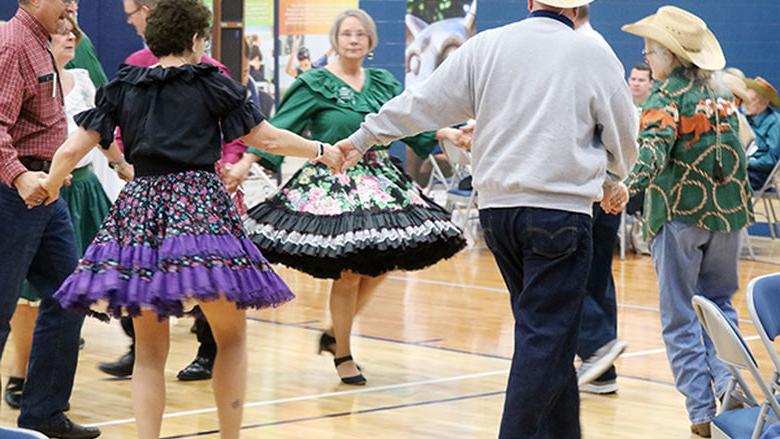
(565, 3)
(764, 88)
(683, 33)
(736, 85)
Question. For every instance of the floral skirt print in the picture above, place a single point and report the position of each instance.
(369, 220)
(167, 241)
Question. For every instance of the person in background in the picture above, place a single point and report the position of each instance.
(302, 55)
(640, 81)
(735, 80)
(597, 344)
(761, 108)
(86, 56)
(689, 149)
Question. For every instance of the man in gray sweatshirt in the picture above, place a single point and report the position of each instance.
(556, 128)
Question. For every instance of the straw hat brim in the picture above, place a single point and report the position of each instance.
(736, 85)
(710, 57)
(566, 3)
(774, 99)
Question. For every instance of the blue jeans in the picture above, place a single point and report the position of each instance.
(544, 257)
(598, 325)
(38, 244)
(692, 261)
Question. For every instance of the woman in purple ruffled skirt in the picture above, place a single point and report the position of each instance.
(174, 238)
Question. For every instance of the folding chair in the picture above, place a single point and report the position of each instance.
(258, 186)
(460, 199)
(437, 178)
(19, 433)
(763, 301)
(733, 351)
(768, 193)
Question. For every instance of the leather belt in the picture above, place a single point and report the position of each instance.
(35, 164)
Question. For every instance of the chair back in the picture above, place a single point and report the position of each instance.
(763, 300)
(19, 433)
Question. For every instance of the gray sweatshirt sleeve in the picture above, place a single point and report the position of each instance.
(445, 98)
(619, 123)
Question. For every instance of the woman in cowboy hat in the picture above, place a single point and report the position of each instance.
(697, 194)
(762, 113)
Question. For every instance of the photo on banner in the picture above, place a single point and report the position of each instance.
(259, 50)
(304, 41)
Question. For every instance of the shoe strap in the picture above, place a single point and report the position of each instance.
(343, 359)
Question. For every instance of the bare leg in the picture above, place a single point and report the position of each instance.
(366, 289)
(151, 352)
(229, 379)
(22, 327)
(343, 304)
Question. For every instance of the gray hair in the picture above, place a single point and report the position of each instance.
(365, 20)
(709, 78)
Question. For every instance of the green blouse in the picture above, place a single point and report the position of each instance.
(331, 110)
(678, 159)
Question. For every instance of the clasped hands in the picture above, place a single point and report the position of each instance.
(338, 158)
(36, 188)
(615, 198)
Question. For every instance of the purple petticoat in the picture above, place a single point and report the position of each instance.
(167, 242)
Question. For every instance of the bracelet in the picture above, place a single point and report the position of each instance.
(320, 151)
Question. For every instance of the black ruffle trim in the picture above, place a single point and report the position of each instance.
(368, 257)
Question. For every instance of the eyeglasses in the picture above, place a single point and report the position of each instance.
(65, 32)
(646, 53)
(130, 14)
(70, 2)
(358, 35)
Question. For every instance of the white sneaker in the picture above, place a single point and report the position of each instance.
(600, 387)
(598, 363)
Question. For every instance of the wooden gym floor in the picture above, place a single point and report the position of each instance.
(435, 347)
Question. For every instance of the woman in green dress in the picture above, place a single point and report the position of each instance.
(355, 226)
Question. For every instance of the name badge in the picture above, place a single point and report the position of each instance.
(46, 78)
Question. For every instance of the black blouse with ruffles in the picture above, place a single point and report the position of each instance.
(172, 119)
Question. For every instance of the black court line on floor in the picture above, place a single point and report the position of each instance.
(342, 414)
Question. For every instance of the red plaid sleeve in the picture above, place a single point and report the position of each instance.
(11, 97)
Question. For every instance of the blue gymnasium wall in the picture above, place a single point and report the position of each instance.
(747, 30)
(105, 23)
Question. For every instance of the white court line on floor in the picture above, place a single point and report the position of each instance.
(316, 396)
(358, 391)
(504, 291)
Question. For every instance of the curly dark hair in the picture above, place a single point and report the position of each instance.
(172, 23)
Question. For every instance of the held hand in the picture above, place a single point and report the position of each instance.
(68, 180)
(351, 154)
(126, 172)
(235, 174)
(52, 189)
(30, 189)
(333, 158)
(615, 199)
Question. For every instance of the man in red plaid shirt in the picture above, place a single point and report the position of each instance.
(37, 240)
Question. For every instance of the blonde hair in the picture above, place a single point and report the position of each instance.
(365, 20)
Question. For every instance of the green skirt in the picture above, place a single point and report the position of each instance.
(88, 206)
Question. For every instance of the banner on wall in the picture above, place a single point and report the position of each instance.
(259, 35)
(434, 29)
(304, 42)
